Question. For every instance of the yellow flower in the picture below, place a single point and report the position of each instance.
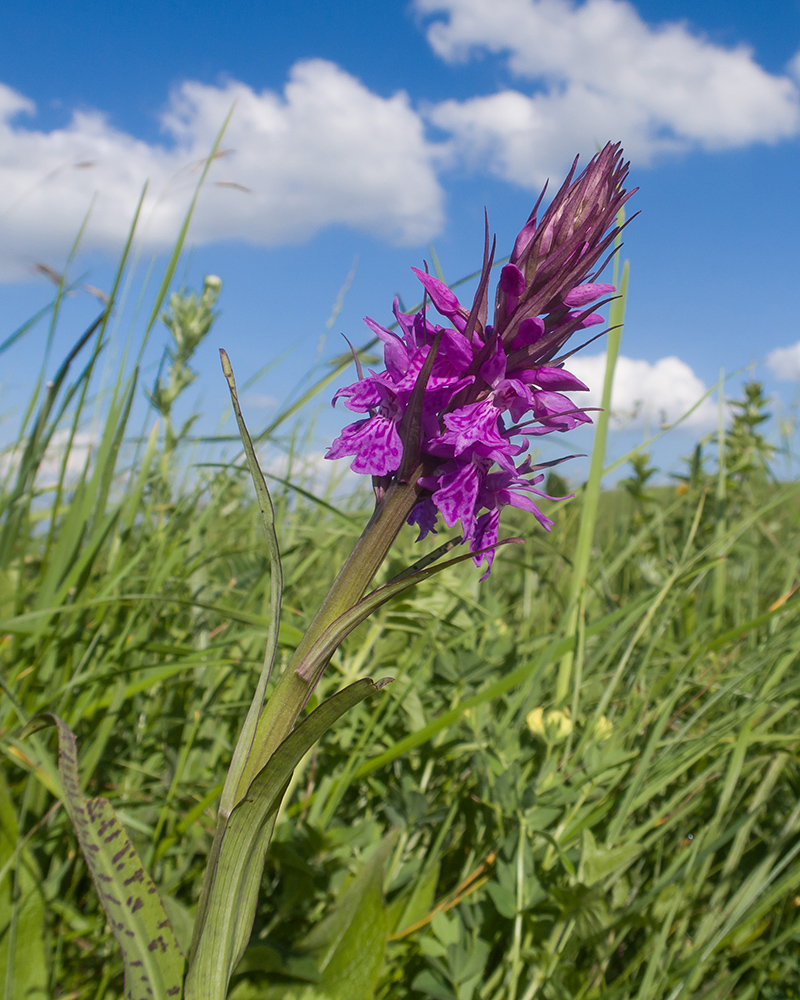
(603, 729)
(535, 720)
(552, 727)
(558, 725)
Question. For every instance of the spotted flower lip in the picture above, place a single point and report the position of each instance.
(461, 399)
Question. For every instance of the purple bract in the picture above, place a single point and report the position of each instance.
(456, 404)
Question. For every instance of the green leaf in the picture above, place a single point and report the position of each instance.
(599, 862)
(504, 899)
(350, 941)
(591, 494)
(223, 929)
(246, 990)
(326, 645)
(236, 783)
(445, 928)
(418, 905)
(333, 937)
(356, 964)
(152, 959)
(233, 790)
(23, 968)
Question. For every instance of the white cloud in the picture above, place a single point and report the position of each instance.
(784, 362)
(309, 470)
(327, 151)
(599, 72)
(81, 448)
(645, 395)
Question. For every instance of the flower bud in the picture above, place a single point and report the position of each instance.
(552, 727)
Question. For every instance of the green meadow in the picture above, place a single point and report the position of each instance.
(582, 782)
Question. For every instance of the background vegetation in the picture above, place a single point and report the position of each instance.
(571, 790)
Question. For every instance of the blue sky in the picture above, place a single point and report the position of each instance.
(365, 132)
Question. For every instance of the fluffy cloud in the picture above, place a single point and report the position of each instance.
(81, 448)
(313, 472)
(599, 72)
(784, 363)
(644, 394)
(326, 151)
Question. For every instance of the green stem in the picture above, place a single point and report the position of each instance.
(296, 685)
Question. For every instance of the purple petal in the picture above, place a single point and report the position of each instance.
(455, 498)
(582, 295)
(512, 395)
(530, 330)
(375, 444)
(512, 280)
(456, 348)
(525, 235)
(548, 404)
(591, 320)
(395, 354)
(361, 396)
(404, 320)
(525, 503)
(494, 368)
(424, 515)
(486, 531)
(554, 379)
(472, 424)
(443, 298)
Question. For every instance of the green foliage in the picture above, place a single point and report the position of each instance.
(23, 962)
(341, 956)
(225, 915)
(748, 452)
(189, 321)
(154, 965)
(641, 474)
(463, 833)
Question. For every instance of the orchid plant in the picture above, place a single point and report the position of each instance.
(446, 430)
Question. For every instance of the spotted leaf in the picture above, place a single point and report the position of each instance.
(153, 962)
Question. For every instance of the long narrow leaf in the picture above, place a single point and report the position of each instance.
(153, 961)
(223, 927)
(232, 791)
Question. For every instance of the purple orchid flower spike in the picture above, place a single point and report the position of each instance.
(444, 430)
(456, 404)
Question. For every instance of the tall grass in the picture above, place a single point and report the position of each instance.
(638, 837)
